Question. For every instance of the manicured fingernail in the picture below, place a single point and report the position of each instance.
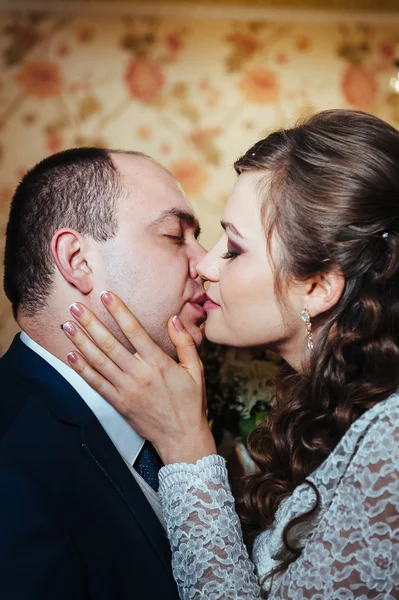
(76, 309)
(72, 357)
(69, 328)
(177, 323)
(106, 297)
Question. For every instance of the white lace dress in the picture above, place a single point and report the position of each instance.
(350, 547)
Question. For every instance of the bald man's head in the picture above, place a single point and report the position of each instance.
(88, 219)
(79, 188)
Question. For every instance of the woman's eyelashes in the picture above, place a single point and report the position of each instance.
(232, 252)
(228, 255)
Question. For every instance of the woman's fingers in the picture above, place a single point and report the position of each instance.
(162, 400)
(185, 348)
(132, 328)
(101, 335)
(92, 353)
(80, 365)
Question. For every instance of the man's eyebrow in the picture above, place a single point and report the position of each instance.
(185, 217)
(232, 228)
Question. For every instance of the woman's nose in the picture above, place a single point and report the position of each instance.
(207, 268)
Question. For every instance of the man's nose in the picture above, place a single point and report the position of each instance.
(196, 258)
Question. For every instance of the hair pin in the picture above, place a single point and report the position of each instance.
(385, 235)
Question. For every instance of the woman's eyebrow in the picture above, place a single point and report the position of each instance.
(232, 228)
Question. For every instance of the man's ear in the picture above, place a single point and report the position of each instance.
(324, 291)
(69, 250)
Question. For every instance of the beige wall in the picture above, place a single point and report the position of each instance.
(193, 93)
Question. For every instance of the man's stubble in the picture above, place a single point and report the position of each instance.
(139, 292)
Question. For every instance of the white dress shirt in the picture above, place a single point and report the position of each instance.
(125, 439)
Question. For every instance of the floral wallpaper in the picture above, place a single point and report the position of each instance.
(194, 94)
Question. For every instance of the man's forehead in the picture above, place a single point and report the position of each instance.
(153, 196)
(147, 183)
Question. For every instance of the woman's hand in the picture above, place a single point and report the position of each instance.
(164, 401)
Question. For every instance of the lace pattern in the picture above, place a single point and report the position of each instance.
(205, 533)
(350, 547)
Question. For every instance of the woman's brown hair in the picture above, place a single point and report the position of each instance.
(331, 195)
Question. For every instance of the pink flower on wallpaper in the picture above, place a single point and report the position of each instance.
(260, 86)
(63, 50)
(282, 58)
(79, 86)
(360, 87)
(302, 44)
(204, 85)
(6, 193)
(144, 79)
(165, 148)
(387, 50)
(174, 42)
(200, 137)
(388, 54)
(191, 174)
(205, 140)
(246, 44)
(41, 78)
(55, 143)
(174, 45)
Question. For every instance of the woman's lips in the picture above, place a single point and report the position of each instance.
(210, 305)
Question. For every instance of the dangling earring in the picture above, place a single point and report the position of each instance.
(306, 318)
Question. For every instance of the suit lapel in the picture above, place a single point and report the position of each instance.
(102, 451)
(44, 382)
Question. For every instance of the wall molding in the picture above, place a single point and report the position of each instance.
(198, 11)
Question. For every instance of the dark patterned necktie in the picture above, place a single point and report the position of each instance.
(147, 465)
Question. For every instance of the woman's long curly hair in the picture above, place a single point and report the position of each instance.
(331, 194)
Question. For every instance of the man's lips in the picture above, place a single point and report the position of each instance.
(198, 303)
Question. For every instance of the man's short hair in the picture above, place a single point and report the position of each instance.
(77, 188)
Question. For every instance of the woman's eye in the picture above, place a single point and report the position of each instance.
(228, 255)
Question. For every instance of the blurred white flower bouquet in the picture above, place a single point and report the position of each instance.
(240, 391)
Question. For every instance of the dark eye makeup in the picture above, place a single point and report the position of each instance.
(228, 255)
(232, 251)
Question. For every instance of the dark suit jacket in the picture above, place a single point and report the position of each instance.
(73, 522)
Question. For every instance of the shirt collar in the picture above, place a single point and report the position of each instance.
(124, 437)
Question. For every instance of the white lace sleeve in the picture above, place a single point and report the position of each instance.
(209, 558)
(354, 552)
(351, 549)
